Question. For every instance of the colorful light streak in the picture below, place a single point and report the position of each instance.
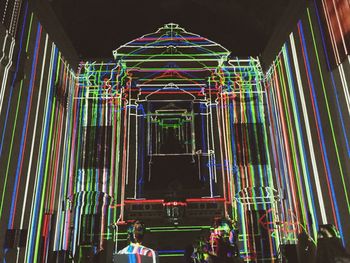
(55, 112)
(244, 77)
(317, 114)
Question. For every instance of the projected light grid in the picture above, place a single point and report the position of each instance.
(174, 121)
(35, 93)
(307, 134)
(169, 93)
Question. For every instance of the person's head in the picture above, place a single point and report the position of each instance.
(136, 232)
(221, 227)
(328, 231)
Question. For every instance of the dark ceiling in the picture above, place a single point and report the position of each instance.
(98, 27)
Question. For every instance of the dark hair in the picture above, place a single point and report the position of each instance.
(136, 232)
(218, 221)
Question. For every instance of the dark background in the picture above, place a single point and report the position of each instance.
(98, 27)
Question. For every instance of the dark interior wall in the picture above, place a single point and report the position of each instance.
(49, 19)
(310, 120)
(36, 81)
(288, 21)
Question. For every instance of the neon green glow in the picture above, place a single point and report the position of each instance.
(29, 31)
